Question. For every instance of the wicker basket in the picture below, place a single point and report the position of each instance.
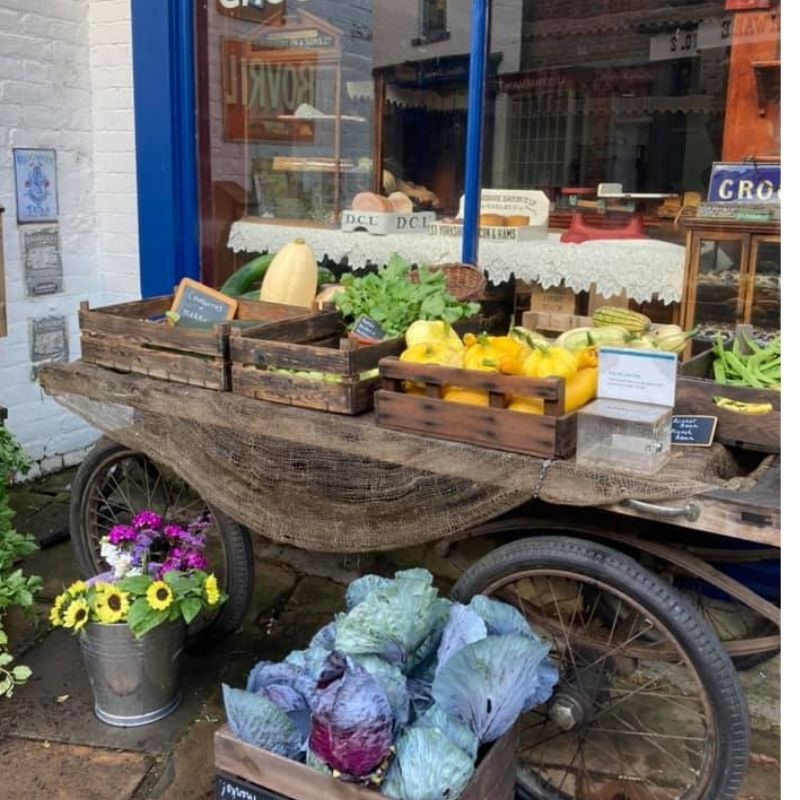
(465, 282)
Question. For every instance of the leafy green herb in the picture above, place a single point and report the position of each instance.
(391, 299)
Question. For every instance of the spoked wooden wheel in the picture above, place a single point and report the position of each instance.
(114, 482)
(648, 706)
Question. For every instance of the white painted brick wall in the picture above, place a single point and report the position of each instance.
(66, 83)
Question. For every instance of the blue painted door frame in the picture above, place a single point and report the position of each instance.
(166, 135)
(166, 139)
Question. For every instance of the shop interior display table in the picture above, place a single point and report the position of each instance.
(645, 270)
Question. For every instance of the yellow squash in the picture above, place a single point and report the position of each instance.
(578, 391)
(423, 331)
(550, 362)
(470, 397)
(493, 354)
(432, 353)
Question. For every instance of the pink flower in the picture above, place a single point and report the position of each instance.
(147, 519)
(173, 532)
(121, 533)
(196, 561)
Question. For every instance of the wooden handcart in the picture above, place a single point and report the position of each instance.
(649, 704)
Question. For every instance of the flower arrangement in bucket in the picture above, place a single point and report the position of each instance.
(132, 620)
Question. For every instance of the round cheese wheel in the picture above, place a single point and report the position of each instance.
(369, 201)
(401, 203)
(518, 221)
(492, 220)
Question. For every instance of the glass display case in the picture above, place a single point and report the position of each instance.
(732, 277)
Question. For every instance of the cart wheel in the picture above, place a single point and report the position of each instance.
(648, 707)
(113, 482)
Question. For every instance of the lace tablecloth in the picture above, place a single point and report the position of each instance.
(645, 269)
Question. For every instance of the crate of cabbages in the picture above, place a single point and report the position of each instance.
(406, 695)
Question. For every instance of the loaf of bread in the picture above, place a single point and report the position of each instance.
(518, 221)
(369, 201)
(492, 220)
(401, 203)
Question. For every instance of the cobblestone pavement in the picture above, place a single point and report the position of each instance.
(51, 745)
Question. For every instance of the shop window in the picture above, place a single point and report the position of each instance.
(433, 22)
(307, 104)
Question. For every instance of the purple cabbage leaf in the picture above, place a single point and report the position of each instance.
(458, 732)
(464, 627)
(500, 618)
(351, 722)
(393, 682)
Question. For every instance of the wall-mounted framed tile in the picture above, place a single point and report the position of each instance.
(36, 184)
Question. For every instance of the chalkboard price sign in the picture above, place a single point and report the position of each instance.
(367, 330)
(230, 788)
(693, 431)
(195, 304)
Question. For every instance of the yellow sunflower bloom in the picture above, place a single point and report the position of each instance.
(211, 589)
(56, 619)
(77, 588)
(111, 605)
(76, 615)
(159, 596)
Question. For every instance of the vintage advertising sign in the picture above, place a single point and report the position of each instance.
(41, 260)
(35, 175)
(745, 183)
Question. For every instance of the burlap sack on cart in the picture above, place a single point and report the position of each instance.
(327, 483)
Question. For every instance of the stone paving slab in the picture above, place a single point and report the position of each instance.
(58, 670)
(37, 769)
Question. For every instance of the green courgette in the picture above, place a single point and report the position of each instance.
(244, 277)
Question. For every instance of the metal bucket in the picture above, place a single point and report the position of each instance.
(134, 681)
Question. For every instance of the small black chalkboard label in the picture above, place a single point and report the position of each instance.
(196, 303)
(230, 788)
(368, 330)
(693, 431)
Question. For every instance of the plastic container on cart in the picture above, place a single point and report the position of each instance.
(624, 436)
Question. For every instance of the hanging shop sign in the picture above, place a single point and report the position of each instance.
(253, 10)
(745, 182)
(690, 39)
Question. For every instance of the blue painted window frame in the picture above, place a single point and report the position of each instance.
(166, 139)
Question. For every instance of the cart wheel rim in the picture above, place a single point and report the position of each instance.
(631, 718)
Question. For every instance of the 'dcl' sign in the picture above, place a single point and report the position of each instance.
(745, 183)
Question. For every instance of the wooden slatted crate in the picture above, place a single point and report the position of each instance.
(318, 345)
(134, 337)
(552, 434)
(694, 395)
(247, 771)
(349, 370)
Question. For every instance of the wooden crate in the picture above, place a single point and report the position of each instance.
(551, 435)
(695, 390)
(271, 777)
(552, 324)
(133, 337)
(318, 345)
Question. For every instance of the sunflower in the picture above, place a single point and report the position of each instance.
(159, 596)
(77, 588)
(56, 619)
(211, 589)
(76, 615)
(111, 605)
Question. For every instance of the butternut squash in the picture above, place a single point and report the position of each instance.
(292, 277)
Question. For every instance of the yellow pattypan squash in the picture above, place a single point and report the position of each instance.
(432, 353)
(470, 397)
(550, 362)
(493, 354)
(425, 331)
(587, 357)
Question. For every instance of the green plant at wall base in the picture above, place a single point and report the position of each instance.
(16, 589)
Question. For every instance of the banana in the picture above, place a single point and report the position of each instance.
(738, 407)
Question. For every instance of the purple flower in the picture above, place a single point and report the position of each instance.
(196, 561)
(174, 532)
(121, 533)
(147, 519)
